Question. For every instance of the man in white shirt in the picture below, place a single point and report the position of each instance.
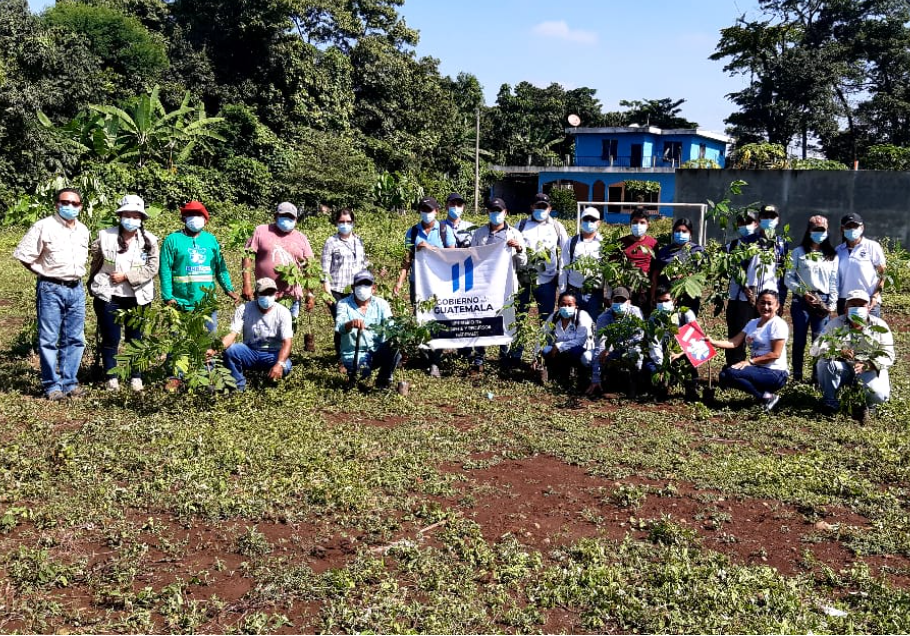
(861, 265)
(856, 348)
(542, 234)
(55, 249)
(586, 284)
(569, 340)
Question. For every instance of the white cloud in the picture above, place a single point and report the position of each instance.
(560, 30)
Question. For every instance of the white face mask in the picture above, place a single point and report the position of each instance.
(363, 292)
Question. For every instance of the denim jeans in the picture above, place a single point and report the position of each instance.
(591, 302)
(754, 380)
(836, 374)
(240, 357)
(803, 320)
(61, 334)
(544, 299)
(110, 329)
(385, 359)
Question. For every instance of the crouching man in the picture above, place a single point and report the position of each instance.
(363, 348)
(267, 336)
(568, 341)
(856, 348)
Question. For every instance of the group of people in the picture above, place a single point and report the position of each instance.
(587, 325)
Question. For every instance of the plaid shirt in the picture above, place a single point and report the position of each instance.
(342, 259)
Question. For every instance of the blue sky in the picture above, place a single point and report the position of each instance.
(623, 49)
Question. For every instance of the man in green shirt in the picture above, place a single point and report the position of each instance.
(191, 262)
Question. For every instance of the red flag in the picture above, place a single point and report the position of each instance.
(691, 337)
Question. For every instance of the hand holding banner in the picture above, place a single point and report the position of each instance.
(691, 337)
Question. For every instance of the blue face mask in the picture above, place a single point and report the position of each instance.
(666, 306)
(681, 238)
(818, 237)
(540, 214)
(639, 229)
(345, 228)
(858, 314)
(455, 212)
(265, 302)
(619, 308)
(589, 227)
(285, 224)
(768, 224)
(428, 217)
(195, 223)
(854, 234)
(746, 230)
(130, 225)
(567, 312)
(497, 218)
(68, 212)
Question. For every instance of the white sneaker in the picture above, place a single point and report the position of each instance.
(136, 384)
(113, 384)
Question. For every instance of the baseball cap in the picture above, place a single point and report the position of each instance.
(589, 212)
(768, 209)
(747, 217)
(818, 221)
(287, 208)
(265, 284)
(194, 208)
(132, 203)
(428, 202)
(497, 204)
(858, 294)
(540, 197)
(853, 217)
(621, 292)
(454, 197)
(363, 276)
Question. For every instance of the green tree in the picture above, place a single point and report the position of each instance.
(662, 113)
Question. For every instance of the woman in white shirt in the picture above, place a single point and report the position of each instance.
(812, 277)
(765, 371)
(124, 265)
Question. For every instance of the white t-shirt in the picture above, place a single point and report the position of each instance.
(263, 331)
(759, 340)
(857, 267)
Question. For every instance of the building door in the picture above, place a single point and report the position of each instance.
(635, 159)
(615, 194)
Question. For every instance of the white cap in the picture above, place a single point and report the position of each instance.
(858, 294)
(132, 203)
(590, 212)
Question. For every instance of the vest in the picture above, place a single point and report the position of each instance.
(101, 285)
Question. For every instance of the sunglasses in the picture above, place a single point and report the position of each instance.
(70, 202)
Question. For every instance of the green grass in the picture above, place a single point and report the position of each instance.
(104, 502)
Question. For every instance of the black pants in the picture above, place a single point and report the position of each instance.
(739, 313)
(333, 308)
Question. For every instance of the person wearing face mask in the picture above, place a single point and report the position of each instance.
(429, 232)
(462, 230)
(124, 265)
(855, 348)
(191, 262)
(568, 341)
(667, 319)
(356, 319)
(498, 231)
(762, 275)
(861, 264)
(680, 250)
(621, 358)
(343, 255)
(640, 248)
(268, 333)
(741, 297)
(766, 371)
(541, 233)
(276, 244)
(55, 249)
(587, 286)
(812, 277)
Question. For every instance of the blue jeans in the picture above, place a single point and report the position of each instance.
(61, 334)
(754, 380)
(803, 320)
(239, 358)
(836, 374)
(385, 359)
(544, 299)
(591, 302)
(106, 313)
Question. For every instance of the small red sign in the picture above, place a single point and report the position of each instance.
(691, 337)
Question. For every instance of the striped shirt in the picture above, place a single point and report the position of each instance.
(341, 259)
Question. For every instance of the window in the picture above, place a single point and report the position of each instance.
(702, 148)
(672, 151)
(608, 149)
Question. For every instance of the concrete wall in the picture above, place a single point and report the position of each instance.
(881, 197)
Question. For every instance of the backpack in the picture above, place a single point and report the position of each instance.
(411, 237)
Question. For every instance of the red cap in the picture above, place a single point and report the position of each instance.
(193, 208)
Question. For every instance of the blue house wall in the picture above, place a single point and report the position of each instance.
(667, 181)
(590, 151)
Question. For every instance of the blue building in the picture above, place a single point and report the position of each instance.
(607, 158)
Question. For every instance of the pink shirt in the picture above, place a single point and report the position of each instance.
(273, 247)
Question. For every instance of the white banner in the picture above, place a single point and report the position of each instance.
(471, 286)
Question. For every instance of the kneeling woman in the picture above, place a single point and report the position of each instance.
(124, 264)
(766, 371)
